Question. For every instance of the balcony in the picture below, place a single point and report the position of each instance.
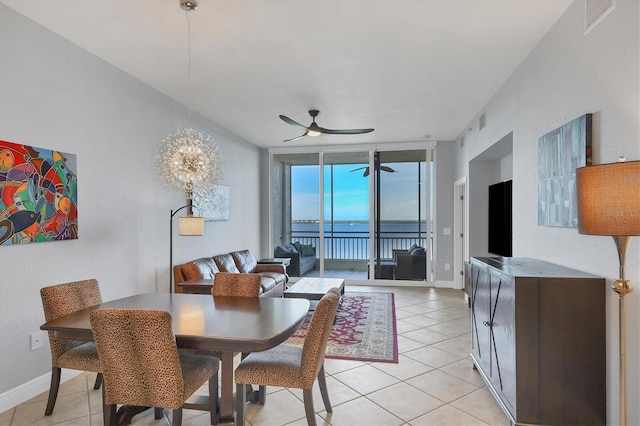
(348, 252)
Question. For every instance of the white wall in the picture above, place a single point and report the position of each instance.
(55, 95)
(444, 213)
(567, 75)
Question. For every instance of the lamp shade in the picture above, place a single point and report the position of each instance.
(609, 199)
(191, 225)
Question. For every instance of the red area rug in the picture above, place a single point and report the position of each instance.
(364, 330)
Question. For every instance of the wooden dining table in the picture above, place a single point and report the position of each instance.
(225, 324)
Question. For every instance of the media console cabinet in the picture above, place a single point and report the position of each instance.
(539, 340)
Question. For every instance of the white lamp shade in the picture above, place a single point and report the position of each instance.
(191, 225)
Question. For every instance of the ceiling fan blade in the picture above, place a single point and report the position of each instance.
(290, 121)
(387, 169)
(296, 138)
(359, 168)
(344, 132)
(366, 173)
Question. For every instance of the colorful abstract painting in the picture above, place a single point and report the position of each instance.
(38, 195)
(560, 153)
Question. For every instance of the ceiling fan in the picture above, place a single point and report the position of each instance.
(314, 130)
(366, 171)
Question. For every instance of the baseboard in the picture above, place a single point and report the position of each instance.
(20, 394)
(445, 284)
(400, 283)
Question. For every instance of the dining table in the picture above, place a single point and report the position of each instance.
(224, 324)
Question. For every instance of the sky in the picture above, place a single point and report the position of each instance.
(399, 192)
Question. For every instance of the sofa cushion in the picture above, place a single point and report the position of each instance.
(298, 246)
(245, 261)
(225, 263)
(308, 250)
(204, 268)
(267, 283)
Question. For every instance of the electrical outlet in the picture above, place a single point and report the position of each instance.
(36, 340)
(447, 266)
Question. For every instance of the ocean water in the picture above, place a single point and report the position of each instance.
(359, 228)
(350, 239)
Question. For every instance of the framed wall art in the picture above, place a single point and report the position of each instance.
(213, 204)
(38, 194)
(560, 152)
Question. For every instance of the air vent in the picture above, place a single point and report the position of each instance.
(482, 122)
(595, 11)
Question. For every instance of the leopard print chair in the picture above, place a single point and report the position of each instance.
(292, 366)
(234, 284)
(63, 299)
(142, 367)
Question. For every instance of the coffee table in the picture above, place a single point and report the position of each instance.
(313, 288)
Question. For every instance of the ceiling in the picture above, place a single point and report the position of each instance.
(414, 70)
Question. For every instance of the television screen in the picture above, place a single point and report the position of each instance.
(500, 219)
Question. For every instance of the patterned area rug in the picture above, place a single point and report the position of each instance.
(364, 330)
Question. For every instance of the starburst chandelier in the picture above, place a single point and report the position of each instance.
(190, 161)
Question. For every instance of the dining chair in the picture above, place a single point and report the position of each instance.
(292, 366)
(142, 367)
(230, 284)
(63, 299)
(236, 284)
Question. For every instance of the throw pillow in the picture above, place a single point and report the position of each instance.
(307, 250)
(298, 246)
(290, 248)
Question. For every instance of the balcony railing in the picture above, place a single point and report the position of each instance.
(350, 247)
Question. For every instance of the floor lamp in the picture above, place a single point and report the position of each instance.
(188, 225)
(609, 204)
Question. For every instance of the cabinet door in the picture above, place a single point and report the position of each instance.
(502, 336)
(480, 308)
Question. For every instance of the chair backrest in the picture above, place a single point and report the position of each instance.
(234, 284)
(318, 333)
(138, 357)
(63, 299)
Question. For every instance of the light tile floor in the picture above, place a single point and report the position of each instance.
(433, 384)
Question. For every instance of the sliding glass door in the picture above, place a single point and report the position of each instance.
(361, 214)
(402, 212)
(346, 214)
(295, 212)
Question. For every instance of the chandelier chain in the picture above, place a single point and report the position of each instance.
(186, 13)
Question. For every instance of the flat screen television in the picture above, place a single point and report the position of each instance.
(500, 219)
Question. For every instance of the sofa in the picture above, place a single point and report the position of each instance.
(273, 277)
(303, 258)
(411, 264)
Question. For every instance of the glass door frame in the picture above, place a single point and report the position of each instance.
(429, 147)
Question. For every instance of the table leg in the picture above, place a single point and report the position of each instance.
(226, 394)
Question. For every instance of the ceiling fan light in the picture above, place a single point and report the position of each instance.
(313, 133)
